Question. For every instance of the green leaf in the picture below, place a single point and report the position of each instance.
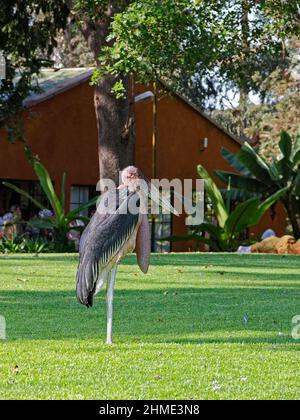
(270, 201)
(275, 171)
(250, 213)
(286, 145)
(284, 167)
(214, 195)
(255, 164)
(297, 186)
(296, 158)
(217, 235)
(42, 223)
(241, 182)
(228, 196)
(119, 90)
(296, 150)
(24, 193)
(237, 194)
(48, 188)
(234, 162)
(241, 217)
(210, 228)
(63, 189)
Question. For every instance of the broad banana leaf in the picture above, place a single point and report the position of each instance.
(240, 182)
(276, 174)
(237, 195)
(214, 195)
(240, 218)
(210, 228)
(217, 234)
(234, 162)
(284, 167)
(286, 145)
(255, 164)
(270, 201)
(296, 159)
(297, 185)
(250, 213)
(296, 150)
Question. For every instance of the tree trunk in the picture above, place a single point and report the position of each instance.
(295, 218)
(115, 131)
(292, 217)
(116, 139)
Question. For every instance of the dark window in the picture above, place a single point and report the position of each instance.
(81, 195)
(161, 227)
(9, 198)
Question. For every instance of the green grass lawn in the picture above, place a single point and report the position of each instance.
(198, 326)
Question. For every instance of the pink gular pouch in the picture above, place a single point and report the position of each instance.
(143, 244)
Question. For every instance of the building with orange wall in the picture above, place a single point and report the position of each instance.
(60, 127)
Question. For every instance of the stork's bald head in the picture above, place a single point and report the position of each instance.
(131, 175)
(134, 180)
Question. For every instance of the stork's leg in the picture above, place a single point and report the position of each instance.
(109, 301)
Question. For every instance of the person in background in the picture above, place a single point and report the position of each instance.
(74, 235)
(11, 224)
(17, 220)
(271, 244)
(1, 227)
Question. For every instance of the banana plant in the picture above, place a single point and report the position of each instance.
(60, 222)
(224, 236)
(255, 176)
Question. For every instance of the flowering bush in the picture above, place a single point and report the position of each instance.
(56, 220)
(8, 218)
(46, 214)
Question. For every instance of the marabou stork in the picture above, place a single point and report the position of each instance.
(113, 232)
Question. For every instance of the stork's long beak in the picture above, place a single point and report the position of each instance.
(165, 204)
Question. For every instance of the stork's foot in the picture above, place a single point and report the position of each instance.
(109, 338)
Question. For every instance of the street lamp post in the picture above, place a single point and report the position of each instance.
(147, 97)
(154, 152)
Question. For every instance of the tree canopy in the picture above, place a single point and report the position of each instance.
(217, 42)
(28, 32)
(154, 39)
(172, 39)
(277, 109)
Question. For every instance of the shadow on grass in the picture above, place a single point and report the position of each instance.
(41, 257)
(200, 260)
(223, 260)
(188, 315)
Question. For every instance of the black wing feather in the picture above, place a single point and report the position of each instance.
(102, 239)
